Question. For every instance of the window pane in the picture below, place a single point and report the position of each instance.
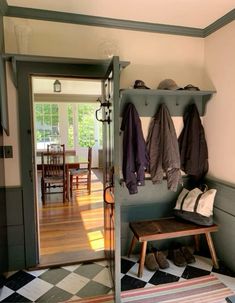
(86, 127)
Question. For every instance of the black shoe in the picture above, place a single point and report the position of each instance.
(187, 254)
(177, 257)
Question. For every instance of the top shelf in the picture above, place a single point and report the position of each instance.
(147, 101)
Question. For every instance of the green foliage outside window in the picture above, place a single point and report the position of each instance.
(86, 125)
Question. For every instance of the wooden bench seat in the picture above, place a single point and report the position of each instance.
(167, 228)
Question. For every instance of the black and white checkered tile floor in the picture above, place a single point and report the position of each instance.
(58, 284)
(202, 266)
(85, 280)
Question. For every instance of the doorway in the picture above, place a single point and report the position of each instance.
(69, 231)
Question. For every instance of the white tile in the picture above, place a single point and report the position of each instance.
(148, 285)
(122, 275)
(71, 267)
(102, 263)
(74, 298)
(73, 283)
(134, 258)
(104, 277)
(147, 274)
(5, 292)
(35, 289)
(203, 263)
(174, 270)
(36, 273)
(227, 280)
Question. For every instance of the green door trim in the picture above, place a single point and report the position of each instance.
(25, 70)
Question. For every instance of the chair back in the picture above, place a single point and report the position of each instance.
(53, 161)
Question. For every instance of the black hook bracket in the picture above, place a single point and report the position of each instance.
(105, 104)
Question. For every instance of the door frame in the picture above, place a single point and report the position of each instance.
(24, 68)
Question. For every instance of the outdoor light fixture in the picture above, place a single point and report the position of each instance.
(57, 86)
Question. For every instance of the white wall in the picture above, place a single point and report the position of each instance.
(153, 57)
(219, 121)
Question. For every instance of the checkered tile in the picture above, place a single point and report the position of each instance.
(57, 284)
(203, 266)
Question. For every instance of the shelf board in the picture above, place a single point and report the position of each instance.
(147, 101)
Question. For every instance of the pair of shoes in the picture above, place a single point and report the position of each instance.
(151, 262)
(161, 259)
(181, 256)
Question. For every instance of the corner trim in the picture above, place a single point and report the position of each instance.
(229, 17)
(47, 15)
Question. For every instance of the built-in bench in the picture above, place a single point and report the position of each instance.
(167, 228)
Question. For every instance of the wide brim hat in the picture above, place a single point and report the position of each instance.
(168, 84)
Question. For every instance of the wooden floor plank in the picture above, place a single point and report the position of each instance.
(73, 231)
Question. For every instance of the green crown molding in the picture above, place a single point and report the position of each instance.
(229, 17)
(47, 15)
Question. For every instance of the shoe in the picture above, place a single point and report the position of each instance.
(177, 257)
(161, 259)
(151, 262)
(187, 254)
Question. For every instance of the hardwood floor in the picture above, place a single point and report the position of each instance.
(72, 232)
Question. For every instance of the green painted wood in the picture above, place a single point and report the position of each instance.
(3, 7)
(147, 101)
(30, 13)
(3, 220)
(14, 207)
(226, 19)
(16, 257)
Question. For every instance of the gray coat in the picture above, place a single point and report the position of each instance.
(163, 149)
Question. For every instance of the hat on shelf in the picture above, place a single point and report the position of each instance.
(168, 84)
(191, 87)
(140, 84)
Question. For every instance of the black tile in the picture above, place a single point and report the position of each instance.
(55, 295)
(16, 298)
(126, 265)
(18, 280)
(224, 270)
(161, 277)
(2, 281)
(194, 272)
(128, 283)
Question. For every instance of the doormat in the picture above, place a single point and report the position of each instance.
(207, 289)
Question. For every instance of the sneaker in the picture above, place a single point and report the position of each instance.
(177, 257)
(187, 254)
(161, 259)
(151, 262)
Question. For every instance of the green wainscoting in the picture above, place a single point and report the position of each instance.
(15, 228)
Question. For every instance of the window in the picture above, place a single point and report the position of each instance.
(47, 124)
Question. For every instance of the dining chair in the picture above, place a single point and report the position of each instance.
(53, 171)
(81, 175)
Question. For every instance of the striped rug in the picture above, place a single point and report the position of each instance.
(207, 289)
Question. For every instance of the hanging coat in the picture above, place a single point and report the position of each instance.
(163, 149)
(135, 157)
(193, 146)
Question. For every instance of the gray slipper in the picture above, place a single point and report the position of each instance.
(150, 262)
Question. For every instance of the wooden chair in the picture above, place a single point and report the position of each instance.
(81, 175)
(53, 171)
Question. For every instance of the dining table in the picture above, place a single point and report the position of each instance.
(71, 162)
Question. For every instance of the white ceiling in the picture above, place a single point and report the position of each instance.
(193, 13)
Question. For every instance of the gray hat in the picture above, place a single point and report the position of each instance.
(168, 84)
(140, 84)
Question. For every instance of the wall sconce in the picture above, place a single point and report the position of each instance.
(57, 86)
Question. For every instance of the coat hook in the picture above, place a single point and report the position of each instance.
(146, 102)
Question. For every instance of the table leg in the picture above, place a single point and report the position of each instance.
(197, 242)
(142, 259)
(133, 243)
(212, 250)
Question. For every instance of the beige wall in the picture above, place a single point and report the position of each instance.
(153, 57)
(219, 121)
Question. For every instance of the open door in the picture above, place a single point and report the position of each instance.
(110, 154)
